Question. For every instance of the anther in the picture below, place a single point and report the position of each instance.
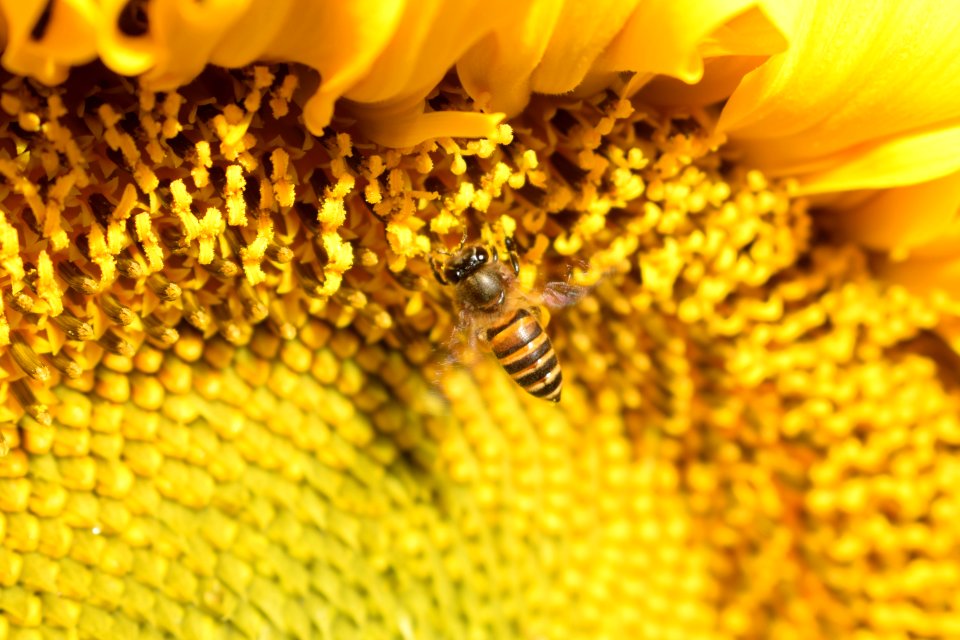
(279, 253)
(66, 365)
(28, 401)
(174, 239)
(155, 328)
(115, 343)
(195, 314)
(311, 283)
(253, 308)
(72, 326)
(76, 279)
(230, 329)
(162, 286)
(129, 268)
(116, 311)
(223, 268)
(27, 359)
(19, 301)
(279, 321)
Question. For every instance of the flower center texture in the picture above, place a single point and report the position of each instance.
(228, 407)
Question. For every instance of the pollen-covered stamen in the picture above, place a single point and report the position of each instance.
(19, 301)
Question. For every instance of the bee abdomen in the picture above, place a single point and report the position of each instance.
(525, 352)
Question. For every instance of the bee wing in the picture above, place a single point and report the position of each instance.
(557, 295)
(461, 349)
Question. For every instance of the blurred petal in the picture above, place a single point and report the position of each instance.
(923, 275)
(904, 160)
(854, 73)
(124, 53)
(44, 39)
(920, 219)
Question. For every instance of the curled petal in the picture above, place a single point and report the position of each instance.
(854, 74)
(409, 126)
(720, 78)
(185, 34)
(357, 35)
(496, 70)
(673, 38)
(44, 39)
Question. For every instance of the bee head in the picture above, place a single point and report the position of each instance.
(465, 264)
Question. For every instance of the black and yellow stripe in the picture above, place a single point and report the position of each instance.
(525, 351)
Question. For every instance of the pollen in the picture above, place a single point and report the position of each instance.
(229, 406)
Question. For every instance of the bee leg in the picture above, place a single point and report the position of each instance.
(438, 271)
(512, 250)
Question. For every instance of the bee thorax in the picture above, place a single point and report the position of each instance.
(481, 290)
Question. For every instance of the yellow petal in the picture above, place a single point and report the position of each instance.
(855, 74)
(918, 220)
(583, 30)
(406, 126)
(720, 78)
(430, 37)
(923, 275)
(496, 70)
(903, 160)
(44, 39)
(672, 38)
(185, 34)
(355, 35)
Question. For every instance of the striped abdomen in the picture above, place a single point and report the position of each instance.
(524, 350)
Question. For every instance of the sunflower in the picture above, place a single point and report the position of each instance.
(226, 406)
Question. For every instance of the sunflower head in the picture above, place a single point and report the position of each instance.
(227, 402)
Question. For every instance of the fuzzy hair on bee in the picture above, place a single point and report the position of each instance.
(494, 312)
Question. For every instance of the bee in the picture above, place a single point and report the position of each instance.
(494, 310)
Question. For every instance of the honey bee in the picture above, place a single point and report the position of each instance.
(495, 311)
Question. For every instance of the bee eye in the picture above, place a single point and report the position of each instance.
(482, 255)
